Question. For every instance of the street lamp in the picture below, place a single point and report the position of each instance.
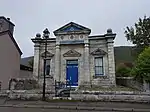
(45, 37)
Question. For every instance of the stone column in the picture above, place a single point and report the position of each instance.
(57, 63)
(36, 61)
(111, 61)
(86, 64)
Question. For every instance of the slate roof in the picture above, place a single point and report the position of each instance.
(2, 17)
(26, 68)
(25, 61)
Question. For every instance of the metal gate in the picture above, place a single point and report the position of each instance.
(62, 89)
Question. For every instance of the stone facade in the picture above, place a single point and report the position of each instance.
(73, 42)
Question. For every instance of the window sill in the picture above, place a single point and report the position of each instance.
(100, 76)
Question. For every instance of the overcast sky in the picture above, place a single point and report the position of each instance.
(32, 16)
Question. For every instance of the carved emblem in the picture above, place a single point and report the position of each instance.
(72, 53)
(62, 37)
(71, 37)
(98, 52)
(48, 54)
(81, 36)
(72, 28)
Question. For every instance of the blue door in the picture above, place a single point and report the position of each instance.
(72, 72)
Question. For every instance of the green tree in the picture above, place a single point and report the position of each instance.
(141, 71)
(139, 35)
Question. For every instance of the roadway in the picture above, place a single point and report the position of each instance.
(60, 106)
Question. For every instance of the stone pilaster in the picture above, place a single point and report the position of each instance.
(36, 61)
(57, 63)
(111, 61)
(86, 63)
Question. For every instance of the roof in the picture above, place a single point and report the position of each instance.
(106, 36)
(25, 61)
(2, 17)
(26, 68)
(72, 27)
(13, 40)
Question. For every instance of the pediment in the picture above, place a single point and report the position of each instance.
(72, 53)
(98, 52)
(48, 54)
(71, 27)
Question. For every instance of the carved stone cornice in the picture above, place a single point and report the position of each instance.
(48, 54)
(98, 52)
(72, 53)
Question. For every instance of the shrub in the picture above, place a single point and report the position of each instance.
(141, 71)
(123, 71)
(128, 64)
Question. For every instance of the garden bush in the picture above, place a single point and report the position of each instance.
(123, 71)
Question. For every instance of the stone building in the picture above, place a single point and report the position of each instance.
(75, 56)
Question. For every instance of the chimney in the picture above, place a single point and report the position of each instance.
(6, 24)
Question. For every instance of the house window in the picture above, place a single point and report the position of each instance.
(99, 66)
(47, 67)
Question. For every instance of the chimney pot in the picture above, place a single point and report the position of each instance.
(8, 19)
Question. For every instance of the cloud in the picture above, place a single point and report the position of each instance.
(33, 16)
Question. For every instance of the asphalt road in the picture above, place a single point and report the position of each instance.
(41, 110)
(40, 106)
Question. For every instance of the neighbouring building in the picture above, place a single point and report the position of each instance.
(75, 56)
(26, 67)
(26, 72)
(10, 53)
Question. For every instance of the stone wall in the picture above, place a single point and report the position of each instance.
(117, 96)
(108, 79)
(103, 80)
(23, 84)
(51, 50)
(82, 44)
(129, 82)
(50, 84)
(28, 94)
(79, 49)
